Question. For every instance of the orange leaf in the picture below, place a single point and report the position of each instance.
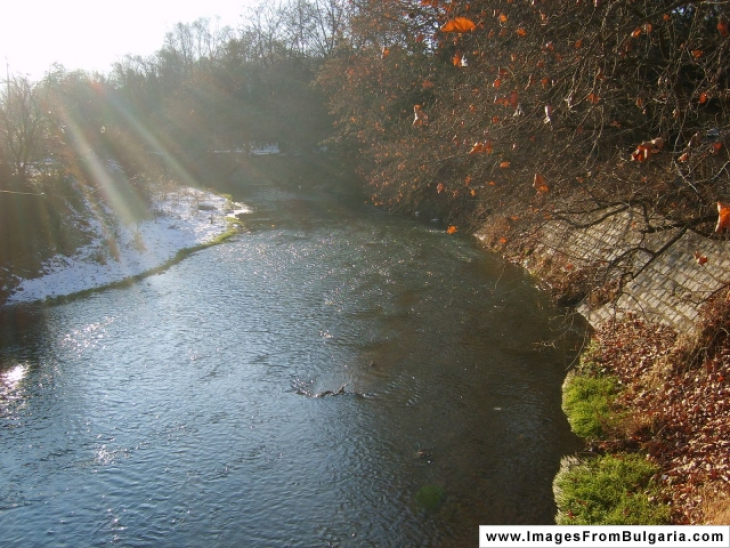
(451, 230)
(505, 164)
(722, 27)
(488, 147)
(473, 192)
(539, 183)
(521, 32)
(459, 24)
(636, 33)
(700, 258)
(703, 98)
(503, 18)
(684, 157)
(593, 98)
(497, 83)
(716, 147)
(491, 183)
(641, 154)
(503, 240)
(697, 53)
(578, 44)
(439, 188)
(477, 148)
(420, 118)
(646, 149)
(723, 217)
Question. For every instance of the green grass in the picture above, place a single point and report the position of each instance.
(234, 221)
(587, 404)
(609, 490)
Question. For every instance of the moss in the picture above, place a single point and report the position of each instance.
(609, 490)
(588, 396)
(430, 497)
(587, 404)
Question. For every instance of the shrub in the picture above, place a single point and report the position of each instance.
(610, 490)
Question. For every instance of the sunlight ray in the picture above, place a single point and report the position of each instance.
(154, 143)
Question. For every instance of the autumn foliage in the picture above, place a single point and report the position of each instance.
(622, 101)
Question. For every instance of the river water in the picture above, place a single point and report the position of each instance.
(331, 377)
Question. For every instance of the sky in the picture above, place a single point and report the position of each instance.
(92, 34)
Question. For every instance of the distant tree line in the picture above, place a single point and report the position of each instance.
(206, 88)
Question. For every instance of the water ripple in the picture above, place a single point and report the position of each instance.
(181, 411)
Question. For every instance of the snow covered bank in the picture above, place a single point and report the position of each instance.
(185, 218)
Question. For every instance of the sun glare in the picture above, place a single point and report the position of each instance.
(12, 377)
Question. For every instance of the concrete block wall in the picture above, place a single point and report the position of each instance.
(668, 288)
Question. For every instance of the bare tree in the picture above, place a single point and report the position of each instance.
(21, 126)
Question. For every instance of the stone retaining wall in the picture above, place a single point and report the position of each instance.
(664, 288)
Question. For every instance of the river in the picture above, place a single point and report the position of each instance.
(333, 376)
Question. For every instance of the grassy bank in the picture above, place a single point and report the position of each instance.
(654, 410)
(603, 488)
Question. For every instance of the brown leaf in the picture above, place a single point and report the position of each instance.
(539, 184)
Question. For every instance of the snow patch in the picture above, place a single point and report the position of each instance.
(179, 224)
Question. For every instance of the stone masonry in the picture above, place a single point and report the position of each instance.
(666, 282)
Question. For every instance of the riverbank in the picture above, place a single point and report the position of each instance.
(651, 395)
(183, 220)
